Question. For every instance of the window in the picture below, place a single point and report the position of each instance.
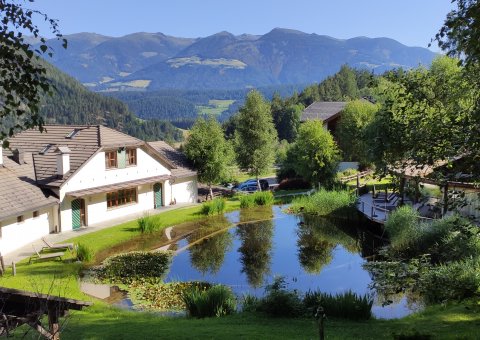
(20, 219)
(45, 149)
(35, 213)
(121, 197)
(111, 159)
(131, 156)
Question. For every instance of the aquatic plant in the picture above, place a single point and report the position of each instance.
(213, 207)
(215, 301)
(339, 203)
(84, 253)
(149, 224)
(259, 198)
(137, 265)
(346, 305)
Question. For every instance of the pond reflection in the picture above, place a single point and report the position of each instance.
(246, 249)
(210, 243)
(256, 245)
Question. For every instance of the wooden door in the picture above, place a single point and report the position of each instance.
(78, 213)
(157, 194)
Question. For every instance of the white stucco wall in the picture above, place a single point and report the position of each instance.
(94, 174)
(16, 235)
(185, 191)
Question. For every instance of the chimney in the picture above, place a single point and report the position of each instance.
(63, 160)
(19, 156)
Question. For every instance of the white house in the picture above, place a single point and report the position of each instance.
(82, 175)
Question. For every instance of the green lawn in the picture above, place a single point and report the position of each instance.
(215, 107)
(458, 321)
(105, 322)
(241, 176)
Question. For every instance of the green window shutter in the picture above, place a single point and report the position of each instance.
(121, 158)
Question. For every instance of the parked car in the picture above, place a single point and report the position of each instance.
(251, 184)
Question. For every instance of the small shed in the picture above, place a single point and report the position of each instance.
(18, 307)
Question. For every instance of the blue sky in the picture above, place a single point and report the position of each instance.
(412, 22)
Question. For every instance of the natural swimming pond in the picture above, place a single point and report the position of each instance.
(246, 249)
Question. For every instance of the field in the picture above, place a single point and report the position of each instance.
(215, 107)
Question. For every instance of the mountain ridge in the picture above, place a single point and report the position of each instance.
(150, 61)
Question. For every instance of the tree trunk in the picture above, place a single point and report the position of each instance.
(259, 188)
(211, 191)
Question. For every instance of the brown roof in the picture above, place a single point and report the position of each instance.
(323, 111)
(118, 186)
(83, 141)
(182, 166)
(18, 193)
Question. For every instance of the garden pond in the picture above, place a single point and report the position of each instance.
(247, 249)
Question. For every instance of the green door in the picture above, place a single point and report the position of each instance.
(157, 194)
(78, 213)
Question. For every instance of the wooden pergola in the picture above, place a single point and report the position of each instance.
(18, 307)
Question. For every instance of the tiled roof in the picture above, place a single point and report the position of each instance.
(83, 141)
(323, 111)
(178, 159)
(19, 194)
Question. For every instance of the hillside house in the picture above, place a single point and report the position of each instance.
(329, 113)
(74, 176)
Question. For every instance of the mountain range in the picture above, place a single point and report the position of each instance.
(153, 61)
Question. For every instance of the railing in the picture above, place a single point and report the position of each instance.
(378, 213)
(359, 175)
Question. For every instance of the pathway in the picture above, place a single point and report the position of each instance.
(27, 250)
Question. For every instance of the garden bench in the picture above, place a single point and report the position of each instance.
(45, 256)
(65, 246)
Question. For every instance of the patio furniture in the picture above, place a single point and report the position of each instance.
(65, 246)
(45, 256)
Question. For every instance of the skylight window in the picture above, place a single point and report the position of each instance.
(72, 133)
(45, 149)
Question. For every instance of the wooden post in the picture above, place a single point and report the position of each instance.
(53, 325)
(386, 193)
(2, 264)
(373, 191)
(320, 315)
(445, 199)
(14, 269)
(402, 190)
(358, 182)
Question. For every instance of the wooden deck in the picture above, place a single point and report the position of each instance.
(377, 209)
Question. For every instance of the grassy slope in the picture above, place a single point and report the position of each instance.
(99, 322)
(104, 322)
(215, 107)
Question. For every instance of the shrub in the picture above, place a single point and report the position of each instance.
(403, 227)
(147, 266)
(213, 207)
(250, 303)
(247, 201)
(280, 302)
(452, 281)
(215, 301)
(263, 198)
(84, 253)
(347, 305)
(149, 224)
(324, 203)
(293, 184)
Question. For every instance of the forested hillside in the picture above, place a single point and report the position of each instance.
(182, 107)
(72, 103)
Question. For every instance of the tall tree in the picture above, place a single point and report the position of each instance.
(423, 118)
(209, 152)
(255, 136)
(356, 116)
(314, 155)
(286, 117)
(459, 37)
(23, 77)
